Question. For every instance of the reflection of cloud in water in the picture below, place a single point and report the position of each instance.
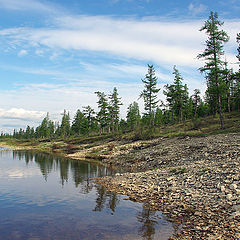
(19, 173)
(15, 174)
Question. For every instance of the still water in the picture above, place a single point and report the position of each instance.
(49, 197)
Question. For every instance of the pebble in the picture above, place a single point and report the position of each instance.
(194, 182)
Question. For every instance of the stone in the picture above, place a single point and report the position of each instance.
(235, 214)
(222, 188)
(229, 196)
(233, 186)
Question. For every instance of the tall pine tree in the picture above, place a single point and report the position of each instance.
(114, 109)
(103, 114)
(133, 115)
(79, 124)
(177, 96)
(213, 63)
(65, 124)
(149, 94)
(89, 114)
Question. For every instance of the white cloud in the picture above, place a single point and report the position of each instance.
(22, 52)
(160, 41)
(26, 5)
(195, 10)
(20, 113)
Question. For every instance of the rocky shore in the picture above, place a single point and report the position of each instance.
(195, 181)
(5, 147)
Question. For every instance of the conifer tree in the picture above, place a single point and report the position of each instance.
(133, 115)
(43, 130)
(177, 95)
(89, 114)
(228, 77)
(65, 124)
(158, 120)
(103, 114)
(212, 56)
(196, 101)
(28, 132)
(114, 109)
(80, 124)
(149, 94)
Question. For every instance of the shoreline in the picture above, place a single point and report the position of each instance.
(194, 181)
(196, 184)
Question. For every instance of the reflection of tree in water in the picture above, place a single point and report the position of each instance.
(113, 201)
(80, 171)
(105, 199)
(22, 155)
(148, 219)
(64, 169)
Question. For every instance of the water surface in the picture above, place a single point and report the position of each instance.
(50, 197)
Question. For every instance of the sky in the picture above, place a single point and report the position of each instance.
(55, 54)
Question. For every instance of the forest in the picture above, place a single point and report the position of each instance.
(222, 95)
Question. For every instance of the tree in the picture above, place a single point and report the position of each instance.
(43, 130)
(114, 109)
(65, 124)
(89, 114)
(177, 96)
(196, 101)
(158, 119)
(149, 94)
(28, 132)
(133, 115)
(212, 56)
(103, 114)
(228, 78)
(80, 123)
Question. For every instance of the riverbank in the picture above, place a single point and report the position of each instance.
(6, 147)
(194, 181)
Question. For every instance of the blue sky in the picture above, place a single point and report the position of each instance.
(55, 54)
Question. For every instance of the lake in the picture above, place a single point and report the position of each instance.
(44, 196)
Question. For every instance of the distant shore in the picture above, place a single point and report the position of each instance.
(6, 147)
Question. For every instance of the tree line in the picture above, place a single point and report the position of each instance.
(222, 95)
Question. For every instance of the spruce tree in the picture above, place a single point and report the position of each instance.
(228, 77)
(158, 119)
(79, 124)
(103, 114)
(212, 56)
(177, 96)
(89, 114)
(114, 109)
(149, 94)
(65, 124)
(28, 132)
(133, 115)
(43, 130)
(196, 101)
